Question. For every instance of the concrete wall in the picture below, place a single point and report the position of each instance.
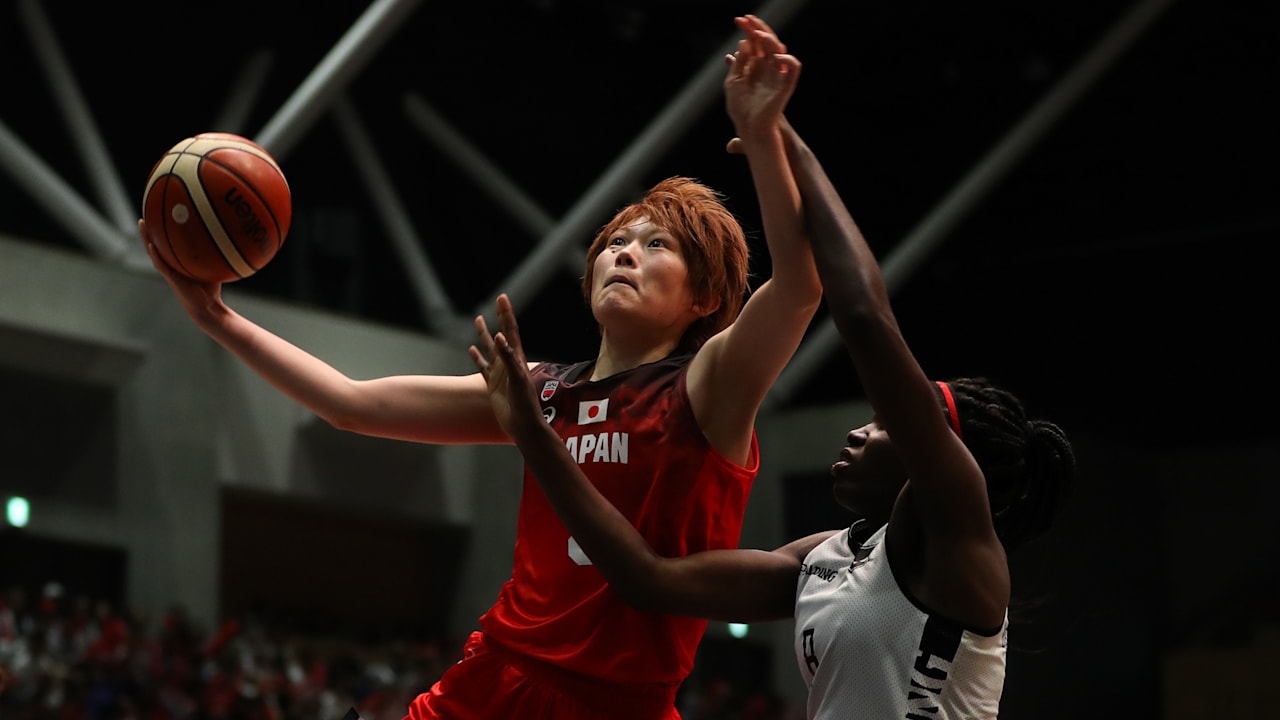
(189, 418)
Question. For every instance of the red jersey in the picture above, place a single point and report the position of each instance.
(634, 435)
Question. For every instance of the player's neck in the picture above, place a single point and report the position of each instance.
(615, 357)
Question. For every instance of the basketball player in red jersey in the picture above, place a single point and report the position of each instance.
(662, 421)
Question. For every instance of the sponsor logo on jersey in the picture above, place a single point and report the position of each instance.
(549, 413)
(821, 573)
(549, 389)
(592, 411)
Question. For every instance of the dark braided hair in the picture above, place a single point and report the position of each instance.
(1028, 463)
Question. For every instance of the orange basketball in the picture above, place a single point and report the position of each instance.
(217, 207)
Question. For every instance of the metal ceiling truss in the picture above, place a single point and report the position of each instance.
(109, 233)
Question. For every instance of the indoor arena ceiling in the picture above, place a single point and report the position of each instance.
(1074, 197)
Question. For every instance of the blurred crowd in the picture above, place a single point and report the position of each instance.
(83, 659)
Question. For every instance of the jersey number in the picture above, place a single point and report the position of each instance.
(806, 646)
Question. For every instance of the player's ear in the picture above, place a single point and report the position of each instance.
(706, 306)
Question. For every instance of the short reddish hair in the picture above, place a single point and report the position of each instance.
(711, 241)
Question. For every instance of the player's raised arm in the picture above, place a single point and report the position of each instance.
(950, 491)
(735, 369)
(422, 408)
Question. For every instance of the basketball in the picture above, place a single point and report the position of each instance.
(217, 207)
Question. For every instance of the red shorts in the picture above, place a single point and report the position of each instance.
(493, 683)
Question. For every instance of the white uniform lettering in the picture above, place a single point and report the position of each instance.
(602, 448)
(585, 447)
(927, 678)
(619, 448)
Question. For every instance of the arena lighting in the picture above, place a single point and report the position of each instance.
(17, 511)
(738, 630)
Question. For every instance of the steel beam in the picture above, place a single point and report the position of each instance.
(115, 200)
(244, 92)
(63, 204)
(347, 58)
(434, 306)
(485, 173)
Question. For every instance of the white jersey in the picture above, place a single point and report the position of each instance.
(869, 651)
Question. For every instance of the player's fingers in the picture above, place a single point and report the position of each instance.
(741, 61)
(166, 271)
(501, 351)
(737, 67)
(788, 66)
(142, 235)
(758, 23)
(507, 350)
(155, 259)
(478, 358)
(769, 43)
(507, 324)
(517, 372)
(734, 146)
(484, 341)
(160, 265)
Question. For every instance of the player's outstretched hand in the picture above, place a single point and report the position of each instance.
(760, 80)
(500, 359)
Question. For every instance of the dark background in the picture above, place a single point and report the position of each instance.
(1118, 277)
(1118, 271)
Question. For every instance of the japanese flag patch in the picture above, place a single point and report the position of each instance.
(592, 411)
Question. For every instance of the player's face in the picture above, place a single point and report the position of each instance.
(641, 274)
(869, 474)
